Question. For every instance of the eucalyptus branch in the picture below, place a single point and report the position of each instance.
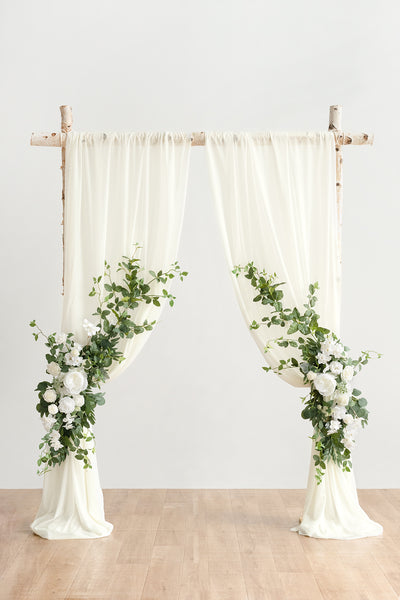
(38, 332)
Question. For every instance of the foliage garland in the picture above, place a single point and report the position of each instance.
(334, 407)
(67, 403)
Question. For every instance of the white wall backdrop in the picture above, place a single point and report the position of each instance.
(196, 410)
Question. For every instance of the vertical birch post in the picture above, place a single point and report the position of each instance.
(66, 126)
(335, 124)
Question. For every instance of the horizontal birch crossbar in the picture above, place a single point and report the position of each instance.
(342, 138)
(58, 139)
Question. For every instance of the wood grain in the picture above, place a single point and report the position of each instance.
(66, 127)
(199, 545)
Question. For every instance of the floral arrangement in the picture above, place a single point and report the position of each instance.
(335, 408)
(67, 402)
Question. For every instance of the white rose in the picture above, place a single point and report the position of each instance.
(348, 419)
(352, 427)
(61, 338)
(50, 395)
(337, 350)
(334, 426)
(52, 408)
(335, 367)
(323, 358)
(339, 412)
(328, 345)
(79, 401)
(347, 373)
(311, 375)
(72, 359)
(325, 384)
(341, 398)
(53, 369)
(66, 404)
(75, 382)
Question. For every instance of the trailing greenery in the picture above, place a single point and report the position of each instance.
(67, 403)
(335, 409)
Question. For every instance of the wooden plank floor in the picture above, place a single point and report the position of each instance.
(199, 545)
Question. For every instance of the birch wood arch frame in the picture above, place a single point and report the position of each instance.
(198, 138)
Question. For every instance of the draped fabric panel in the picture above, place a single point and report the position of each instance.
(276, 201)
(331, 509)
(121, 189)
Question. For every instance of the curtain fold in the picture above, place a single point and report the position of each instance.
(120, 189)
(276, 201)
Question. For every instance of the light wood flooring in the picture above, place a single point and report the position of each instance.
(199, 545)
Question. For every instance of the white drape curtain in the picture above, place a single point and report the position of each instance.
(276, 202)
(121, 189)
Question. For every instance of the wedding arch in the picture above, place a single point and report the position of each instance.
(304, 174)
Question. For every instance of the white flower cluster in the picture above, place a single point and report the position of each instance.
(68, 421)
(334, 384)
(61, 338)
(90, 328)
(330, 348)
(48, 422)
(54, 439)
(65, 395)
(53, 369)
(73, 357)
